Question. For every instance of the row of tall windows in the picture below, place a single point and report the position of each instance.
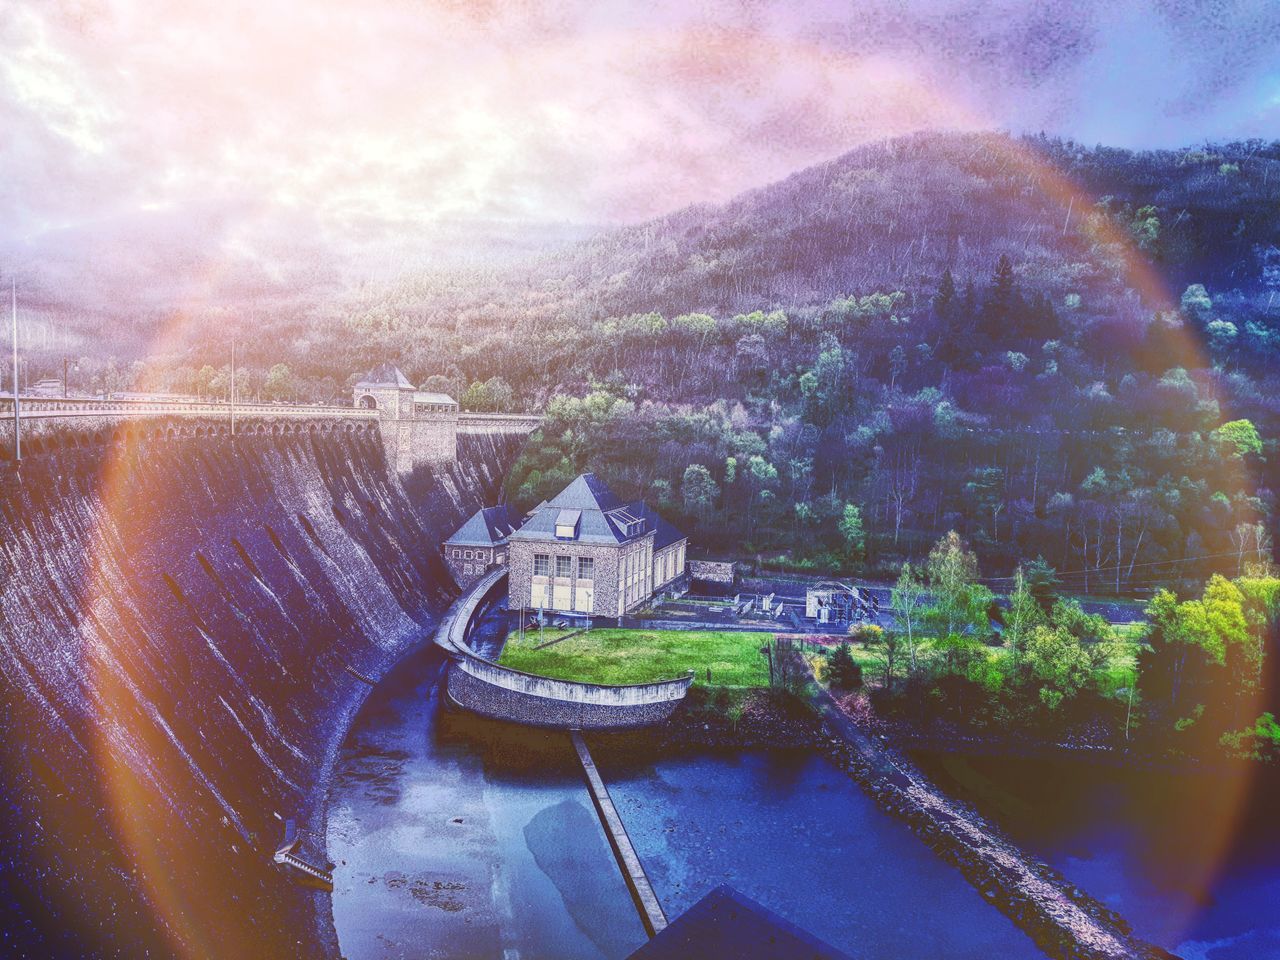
(563, 593)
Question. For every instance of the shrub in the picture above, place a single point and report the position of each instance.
(842, 670)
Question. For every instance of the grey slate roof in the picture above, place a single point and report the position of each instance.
(487, 527)
(385, 375)
(726, 923)
(422, 396)
(604, 518)
(666, 533)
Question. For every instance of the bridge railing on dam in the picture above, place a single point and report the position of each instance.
(51, 424)
(492, 690)
(44, 407)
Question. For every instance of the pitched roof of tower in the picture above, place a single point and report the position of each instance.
(385, 375)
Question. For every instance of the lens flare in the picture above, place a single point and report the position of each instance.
(143, 760)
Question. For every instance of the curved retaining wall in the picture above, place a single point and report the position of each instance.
(491, 690)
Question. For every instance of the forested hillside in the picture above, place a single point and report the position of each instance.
(971, 345)
(1055, 350)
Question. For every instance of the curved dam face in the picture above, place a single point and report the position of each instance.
(184, 625)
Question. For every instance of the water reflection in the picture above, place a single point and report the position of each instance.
(457, 838)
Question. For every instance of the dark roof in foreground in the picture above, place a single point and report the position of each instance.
(385, 375)
(587, 492)
(726, 923)
(486, 527)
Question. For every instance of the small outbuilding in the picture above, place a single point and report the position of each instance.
(480, 544)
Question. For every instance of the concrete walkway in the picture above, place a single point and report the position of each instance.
(651, 915)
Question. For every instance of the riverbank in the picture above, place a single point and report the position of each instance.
(1191, 858)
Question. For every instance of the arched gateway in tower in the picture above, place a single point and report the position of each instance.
(417, 427)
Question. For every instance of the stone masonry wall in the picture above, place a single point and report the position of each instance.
(501, 703)
(712, 571)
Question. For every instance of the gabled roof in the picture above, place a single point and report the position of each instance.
(603, 517)
(422, 396)
(488, 527)
(726, 923)
(385, 375)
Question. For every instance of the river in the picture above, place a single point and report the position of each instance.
(455, 837)
(1192, 860)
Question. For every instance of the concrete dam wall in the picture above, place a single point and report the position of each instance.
(183, 620)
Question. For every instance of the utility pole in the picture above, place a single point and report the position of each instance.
(233, 387)
(17, 416)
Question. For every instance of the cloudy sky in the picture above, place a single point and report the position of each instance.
(207, 135)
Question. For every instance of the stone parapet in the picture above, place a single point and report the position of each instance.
(492, 690)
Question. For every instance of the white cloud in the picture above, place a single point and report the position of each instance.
(345, 119)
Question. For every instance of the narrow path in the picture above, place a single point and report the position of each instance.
(651, 915)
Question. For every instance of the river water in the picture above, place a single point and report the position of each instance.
(790, 830)
(455, 838)
(458, 838)
(1192, 860)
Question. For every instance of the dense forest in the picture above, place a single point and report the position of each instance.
(1061, 352)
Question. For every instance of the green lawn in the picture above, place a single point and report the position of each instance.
(642, 656)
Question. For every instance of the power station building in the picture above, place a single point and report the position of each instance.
(583, 552)
(586, 552)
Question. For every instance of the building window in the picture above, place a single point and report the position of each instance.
(466, 555)
(500, 558)
(457, 554)
(586, 568)
(538, 596)
(541, 565)
(584, 599)
(564, 567)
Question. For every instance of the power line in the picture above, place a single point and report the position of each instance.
(1126, 566)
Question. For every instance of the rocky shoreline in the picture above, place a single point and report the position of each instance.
(1062, 919)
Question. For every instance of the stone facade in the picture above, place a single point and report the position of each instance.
(620, 577)
(468, 564)
(668, 564)
(545, 709)
(479, 544)
(586, 553)
(417, 427)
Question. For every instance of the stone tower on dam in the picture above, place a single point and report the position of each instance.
(417, 427)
